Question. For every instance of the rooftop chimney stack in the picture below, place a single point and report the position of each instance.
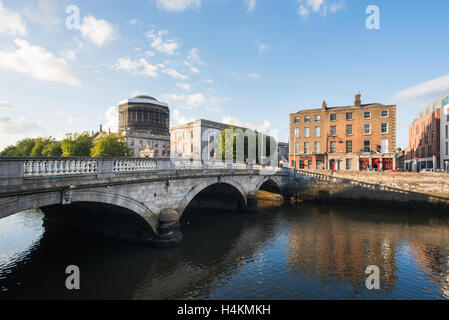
(358, 100)
(324, 106)
(101, 128)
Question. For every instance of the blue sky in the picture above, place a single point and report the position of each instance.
(250, 62)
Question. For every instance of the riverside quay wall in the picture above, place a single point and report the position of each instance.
(379, 189)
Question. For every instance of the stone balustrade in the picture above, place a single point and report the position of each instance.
(48, 167)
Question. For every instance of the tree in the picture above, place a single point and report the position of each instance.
(39, 146)
(77, 145)
(10, 151)
(110, 145)
(53, 149)
(24, 147)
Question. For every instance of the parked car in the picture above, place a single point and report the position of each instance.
(427, 171)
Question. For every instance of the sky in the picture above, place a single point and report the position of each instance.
(65, 65)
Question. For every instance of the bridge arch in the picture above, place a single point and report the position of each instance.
(18, 204)
(273, 180)
(197, 189)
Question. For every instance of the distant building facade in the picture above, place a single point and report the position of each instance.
(145, 122)
(429, 138)
(283, 153)
(354, 137)
(444, 140)
(197, 139)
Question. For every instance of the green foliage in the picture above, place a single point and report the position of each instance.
(110, 145)
(53, 149)
(10, 151)
(39, 145)
(77, 145)
(25, 147)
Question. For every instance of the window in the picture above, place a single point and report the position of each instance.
(447, 118)
(296, 132)
(191, 148)
(349, 130)
(309, 165)
(306, 147)
(447, 132)
(306, 119)
(348, 164)
(447, 150)
(349, 116)
(366, 146)
(367, 128)
(316, 147)
(296, 119)
(318, 164)
(192, 135)
(296, 148)
(317, 131)
(333, 147)
(384, 127)
(384, 145)
(317, 118)
(367, 115)
(306, 132)
(384, 114)
(184, 135)
(426, 139)
(132, 142)
(348, 146)
(333, 117)
(333, 130)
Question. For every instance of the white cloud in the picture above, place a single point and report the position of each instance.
(174, 74)
(250, 4)
(160, 44)
(6, 106)
(37, 63)
(134, 21)
(12, 130)
(179, 119)
(184, 86)
(69, 54)
(11, 22)
(262, 47)
(192, 68)
(186, 101)
(45, 12)
(209, 81)
(111, 116)
(254, 75)
(234, 121)
(178, 5)
(96, 31)
(141, 66)
(319, 6)
(424, 89)
(194, 56)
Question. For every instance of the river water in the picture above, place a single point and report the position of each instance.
(307, 251)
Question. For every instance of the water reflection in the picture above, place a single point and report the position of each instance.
(304, 252)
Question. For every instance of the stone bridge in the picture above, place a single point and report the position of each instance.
(136, 199)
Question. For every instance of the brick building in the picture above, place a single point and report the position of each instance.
(429, 138)
(354, 137)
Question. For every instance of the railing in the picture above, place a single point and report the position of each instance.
(135, 165)
(59, 167)
(47, 167)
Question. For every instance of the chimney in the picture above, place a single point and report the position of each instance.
(324, 105)
(101, 128)
(109, 130)
(358, 100)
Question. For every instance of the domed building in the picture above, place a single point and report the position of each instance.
(145, 122)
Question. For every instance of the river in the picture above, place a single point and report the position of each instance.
(305, 251)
